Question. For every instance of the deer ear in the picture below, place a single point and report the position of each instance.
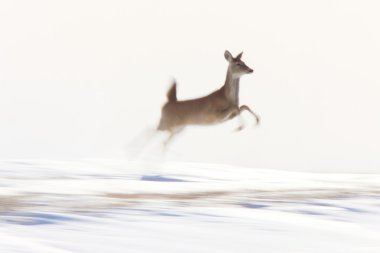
(228, 56)
(239, 56)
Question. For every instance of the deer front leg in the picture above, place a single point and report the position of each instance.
(235, 111)
(241, 121)
(241, 124)
(227, 113)
(246, 108)
(232, 113)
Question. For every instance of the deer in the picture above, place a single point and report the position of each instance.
(217, 107)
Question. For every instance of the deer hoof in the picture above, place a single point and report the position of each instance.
(257, 121)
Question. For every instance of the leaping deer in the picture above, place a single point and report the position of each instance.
(217, 107)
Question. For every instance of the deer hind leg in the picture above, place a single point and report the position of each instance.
(246, 108)
(172, 133)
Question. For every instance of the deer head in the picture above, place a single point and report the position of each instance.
(236, 66)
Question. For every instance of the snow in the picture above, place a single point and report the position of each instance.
(120, 206)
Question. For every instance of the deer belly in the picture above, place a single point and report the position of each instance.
(179, 114)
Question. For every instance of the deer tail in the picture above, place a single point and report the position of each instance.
(172, 93)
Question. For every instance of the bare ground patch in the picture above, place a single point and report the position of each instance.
(168, 196)
(10, 203)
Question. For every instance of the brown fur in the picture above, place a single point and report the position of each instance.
(217, 107)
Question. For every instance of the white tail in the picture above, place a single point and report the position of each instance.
(217, 107)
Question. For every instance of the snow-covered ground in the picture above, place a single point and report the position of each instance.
(118, 206)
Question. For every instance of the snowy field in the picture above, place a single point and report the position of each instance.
(118, 206)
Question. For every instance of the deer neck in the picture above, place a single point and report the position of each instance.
(231, 87)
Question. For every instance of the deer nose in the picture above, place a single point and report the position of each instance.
(250, 71)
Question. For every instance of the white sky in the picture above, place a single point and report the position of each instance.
(79, 79)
